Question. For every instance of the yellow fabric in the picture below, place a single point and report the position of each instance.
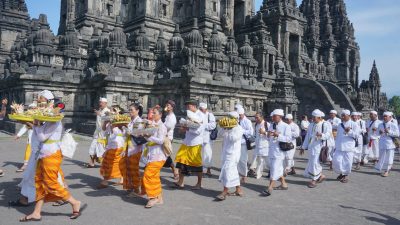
(102, 141)
(151, 182)
(27, 152)
(146, 150)
(110, 165)
(189, 155)
(51, 141)
(46, 179)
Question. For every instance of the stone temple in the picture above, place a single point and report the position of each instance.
(222, 52)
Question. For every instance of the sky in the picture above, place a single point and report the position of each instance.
(376, 26)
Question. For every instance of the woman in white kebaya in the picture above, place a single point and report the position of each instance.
(231, 149)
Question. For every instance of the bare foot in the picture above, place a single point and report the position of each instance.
(31, 217)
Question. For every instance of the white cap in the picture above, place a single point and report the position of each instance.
(354, 113)
(240, 111)
(359, 114)
(272, 114)
(278, 112)
(318, 113)
(388, 114)
(234, 114)
(333, 111)
(289, 116)
(32, 105)
(103, 100)
(374, 112)
(345, 112)
(203, 105)
(47, 94)
(238, 106)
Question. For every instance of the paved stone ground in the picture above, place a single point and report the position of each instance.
(366, 199)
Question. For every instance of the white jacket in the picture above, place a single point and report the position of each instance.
(312, 143)
(346, 142)
(386, 140)
(261, 140)
(285, 135)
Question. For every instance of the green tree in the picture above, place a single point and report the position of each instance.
(394, 103)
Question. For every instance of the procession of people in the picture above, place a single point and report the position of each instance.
(123, 142)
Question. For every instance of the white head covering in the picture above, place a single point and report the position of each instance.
(345, 112)
(240, 110)
(272, 114)
(359, 113)
(374, 112)
(333, 111)
(103, 100)
(278, 112)
(289, 116)
(47, 94)
(354, 113)
(234, 114)
(318, 113)
(388, 114)
(203, 105)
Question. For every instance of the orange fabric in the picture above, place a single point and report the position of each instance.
(110, 165)
(46, 180)
(129, 167)
(151, 182)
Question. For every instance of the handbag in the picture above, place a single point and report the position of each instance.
(250, 142)
(323, 155)
(286, 146)
(214, 132)
(139, 140)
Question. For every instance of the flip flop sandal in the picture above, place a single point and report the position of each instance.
(239, 194)
(321, 179)
(17, 203)
(221, 197)
(310, 185)
(89, 166)
(20, 170)
(281, 188)
(118, 184)
(340, 177)
(59, 203)
(1, 174)
(344, 180)
(26, 219)
(266, 193)
(177, 186)
(76, 214)
(150, 204)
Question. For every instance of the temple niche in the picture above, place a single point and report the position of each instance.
(222, 52)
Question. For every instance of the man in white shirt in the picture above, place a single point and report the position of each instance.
(304, 126)
(289, 155)
(248, 132)
(372, 150)
(388, 130)
(97, 148)
(261, 147)
(170, 123)
(334, 121)
(279, 134)
(318, 134)
(356, 117)
(2, 115)
(209, 124)
(345, 144)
